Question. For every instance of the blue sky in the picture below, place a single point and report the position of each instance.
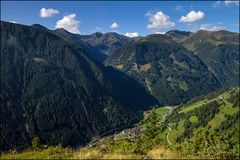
(134, 18)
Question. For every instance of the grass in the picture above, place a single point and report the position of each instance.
(163, 134)
(161, 110)
(192, 106)
(230, 111)
(226, 109)
(120, 136)
(160, 113)
(63, 153)
(95, 153)
(181, 127)
(217, 120)
(161, 152)
(49, 153)
(193, 119)
(88, 154)
(177, 132)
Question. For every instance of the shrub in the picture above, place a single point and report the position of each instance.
(36, 144)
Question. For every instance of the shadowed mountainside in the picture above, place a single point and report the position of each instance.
(52, 89)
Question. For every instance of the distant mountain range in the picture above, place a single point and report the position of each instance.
(68, 88)
(106, 43)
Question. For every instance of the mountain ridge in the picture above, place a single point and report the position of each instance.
(58, 87)
(52, 89)
(166, 68)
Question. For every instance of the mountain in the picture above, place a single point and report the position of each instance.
(109, 42)
(177, 35)
(53, 89)
(207, 127)
(39, 26)
(105, 43)
(168, 70)
(76, 38)
(219, 50)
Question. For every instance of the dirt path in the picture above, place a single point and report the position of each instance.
(168, 135)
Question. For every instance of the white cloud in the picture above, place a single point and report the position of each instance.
(69, 23)
(12, 21)
(44, 12)
(192, 17)
(210, 27)
(114, 26)
(160, 32)
(159, 20)
(231, 2)
(133, 34)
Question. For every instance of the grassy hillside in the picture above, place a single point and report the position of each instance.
(207, 128)
(170, 72)
(219, 50)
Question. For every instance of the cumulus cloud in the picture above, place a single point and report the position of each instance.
(160, 32)
(132, 34)
(114, 26)
(231, 2)
(44, 12)
(159, 20)
(69, 23)
(192, 16)
(210, 27)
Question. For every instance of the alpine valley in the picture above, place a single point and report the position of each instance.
(105, 95)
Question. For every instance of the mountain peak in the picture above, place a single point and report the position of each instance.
(159, 38)
(178, 32)
(39, 26)
(61, 30)
(97, 34)
(178, 35)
